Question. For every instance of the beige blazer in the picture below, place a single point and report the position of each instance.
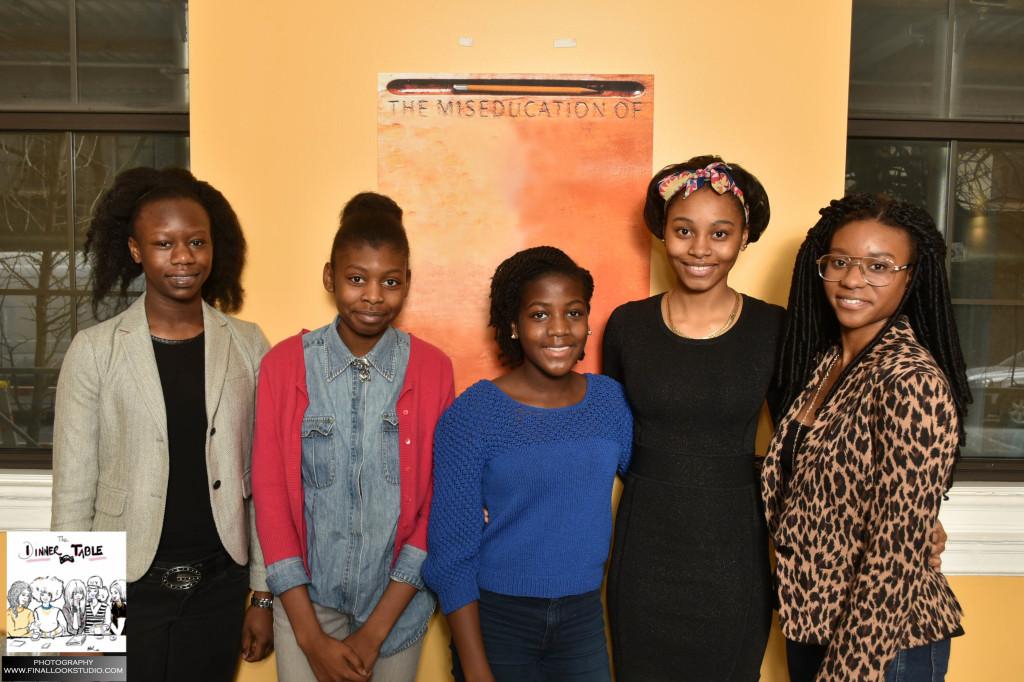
(110, 457)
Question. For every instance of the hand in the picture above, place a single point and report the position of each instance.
(936, 545)
(257, 634)
(366, 646)
(333, 660)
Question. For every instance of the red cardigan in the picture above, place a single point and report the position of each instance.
(281, 402)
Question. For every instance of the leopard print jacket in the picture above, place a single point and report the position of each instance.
(850, 527)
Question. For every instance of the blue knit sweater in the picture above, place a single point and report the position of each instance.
(545, 477)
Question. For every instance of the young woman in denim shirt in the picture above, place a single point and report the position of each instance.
(523, 478)
(341, 466)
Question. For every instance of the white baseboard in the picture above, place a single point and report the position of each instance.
(984, 521)
(25, 500)
(985, 524)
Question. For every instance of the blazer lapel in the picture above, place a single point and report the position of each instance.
(133, 333)
(218, 346)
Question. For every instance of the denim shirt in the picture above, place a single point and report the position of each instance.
(351, 485)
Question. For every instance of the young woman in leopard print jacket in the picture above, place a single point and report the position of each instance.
(875, 390)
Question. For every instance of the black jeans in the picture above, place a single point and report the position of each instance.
(193, 635)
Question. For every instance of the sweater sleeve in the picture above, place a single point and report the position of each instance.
(917, 441)
(456, 521)
(624, 430)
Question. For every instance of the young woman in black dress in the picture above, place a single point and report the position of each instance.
(688, 588)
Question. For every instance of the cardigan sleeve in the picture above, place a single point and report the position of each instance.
(457, 519)
(916, 427)
(278, 536)
(410, 560)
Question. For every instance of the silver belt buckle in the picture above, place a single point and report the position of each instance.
(181, 578)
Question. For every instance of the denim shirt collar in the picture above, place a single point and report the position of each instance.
(383, 357)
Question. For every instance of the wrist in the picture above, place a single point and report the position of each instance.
(375, 632)
(310, 639)
(262, 600)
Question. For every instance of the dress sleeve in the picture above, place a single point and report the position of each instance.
(76, 438)
(611, 348)
(916, 427)
(625, 430)
(457, 517)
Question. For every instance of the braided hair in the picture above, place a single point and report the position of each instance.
(656, 210)
(811, 326)
(106, 242)
(511, 279)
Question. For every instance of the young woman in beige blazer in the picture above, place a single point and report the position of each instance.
(153, 425)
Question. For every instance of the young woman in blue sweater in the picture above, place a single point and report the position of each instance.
(523, 471)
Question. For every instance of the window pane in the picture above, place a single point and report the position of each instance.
(33, 211)
(34, 334)
(35, 62)
(910, 171)
(988, 65)
(988, 226)
(993, 338)
(898, 58)
(133, 54)
(987, 282)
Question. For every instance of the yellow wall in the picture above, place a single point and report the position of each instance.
(284, 122)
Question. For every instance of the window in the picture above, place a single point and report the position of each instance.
(88, 88)
(937, 118)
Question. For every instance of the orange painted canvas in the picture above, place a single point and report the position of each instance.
(486, 165)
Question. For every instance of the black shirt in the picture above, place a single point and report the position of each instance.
(189, 532)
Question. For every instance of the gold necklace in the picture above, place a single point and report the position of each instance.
(721, 330)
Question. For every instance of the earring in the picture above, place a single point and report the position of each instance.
(743, 248)
(515, 336)
(589, 332)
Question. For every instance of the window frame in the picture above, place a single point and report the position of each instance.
(951, 132)
(70, 123)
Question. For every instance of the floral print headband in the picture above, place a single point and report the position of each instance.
(716, 175)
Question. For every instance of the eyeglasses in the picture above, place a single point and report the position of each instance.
(877, 272)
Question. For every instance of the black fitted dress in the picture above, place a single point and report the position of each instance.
(688, 586)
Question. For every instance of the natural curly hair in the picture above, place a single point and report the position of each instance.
(511, 279)
(656, 210)
(811, 326)
(106, 242)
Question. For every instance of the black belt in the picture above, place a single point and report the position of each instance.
(184, 576)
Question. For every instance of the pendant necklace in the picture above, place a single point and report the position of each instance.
(809, 406)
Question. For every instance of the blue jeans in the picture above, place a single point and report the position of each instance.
(528, 639)
(926, 663)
